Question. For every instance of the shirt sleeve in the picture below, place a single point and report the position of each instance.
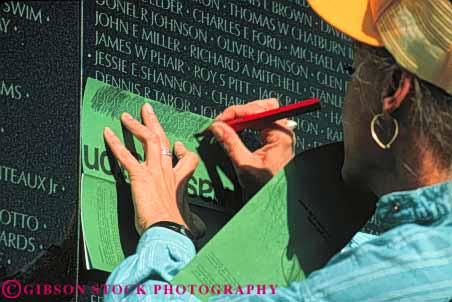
(408, 263)
(405, 263)
(161, 253)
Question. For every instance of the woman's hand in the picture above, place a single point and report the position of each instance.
(158, 189)
(254, 169)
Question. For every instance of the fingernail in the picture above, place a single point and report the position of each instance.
(107, 131)
(217, 129)
(291, 124)
(148, 108)
(177, 149)
(126, 115)
(178, 143)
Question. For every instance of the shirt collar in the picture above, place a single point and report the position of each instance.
(425, 205)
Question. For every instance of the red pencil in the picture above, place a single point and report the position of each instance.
(263, 119)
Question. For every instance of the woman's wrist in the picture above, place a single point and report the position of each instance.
(174, 226)
(157, 218)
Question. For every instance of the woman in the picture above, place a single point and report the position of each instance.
(397, 121)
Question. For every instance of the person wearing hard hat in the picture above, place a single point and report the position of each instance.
(397, 120)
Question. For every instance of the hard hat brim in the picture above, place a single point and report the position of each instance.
(352, 17)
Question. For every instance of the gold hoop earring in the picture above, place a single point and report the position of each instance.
(375, 136)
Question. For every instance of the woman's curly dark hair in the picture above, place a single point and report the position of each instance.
(430, 113)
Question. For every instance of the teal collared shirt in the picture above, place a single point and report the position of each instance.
(410, 258)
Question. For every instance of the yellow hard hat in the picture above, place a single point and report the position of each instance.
(418, 33)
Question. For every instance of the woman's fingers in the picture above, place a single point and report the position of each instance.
(120, 152)
(151, 122)
(247, 109)
(186, 166)
(150, 140)
(231, 142)
(291, 124)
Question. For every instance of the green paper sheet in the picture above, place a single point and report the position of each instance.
(99, 223)
(291, 227)
(252, 248)
(102, 107)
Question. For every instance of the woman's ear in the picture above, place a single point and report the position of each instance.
(393, 102)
